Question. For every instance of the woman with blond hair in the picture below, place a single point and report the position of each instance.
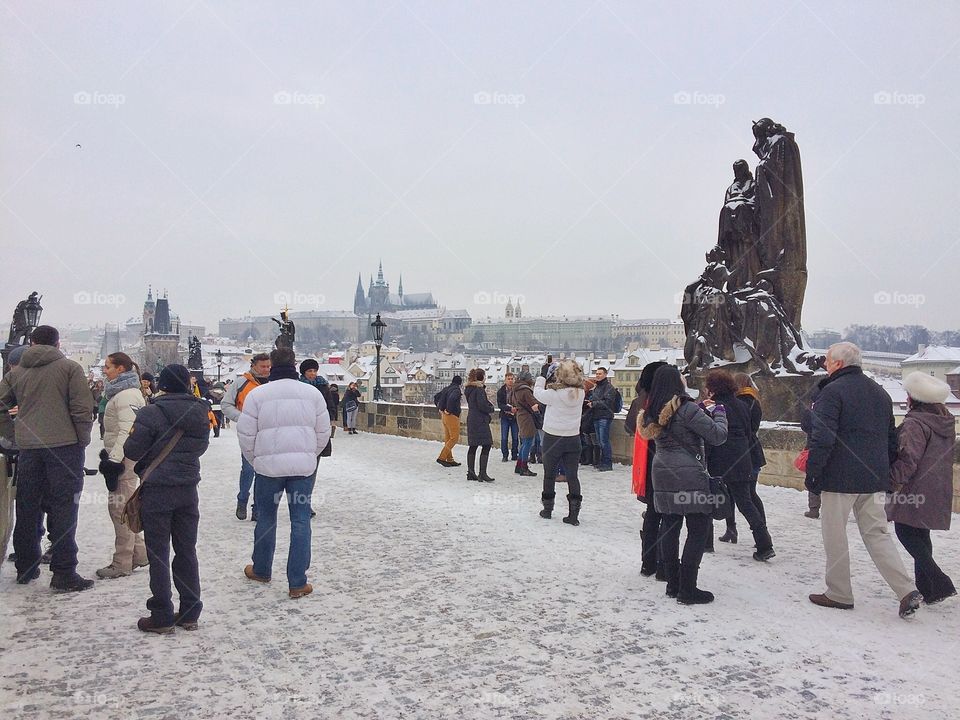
(562, 392)
(124, 400)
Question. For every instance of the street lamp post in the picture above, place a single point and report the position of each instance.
(378, 326)
(26, 318)
(219, 355)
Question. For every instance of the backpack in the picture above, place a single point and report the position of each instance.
(438, 399)
(618, 403)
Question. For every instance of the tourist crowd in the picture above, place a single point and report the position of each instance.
(695, 461)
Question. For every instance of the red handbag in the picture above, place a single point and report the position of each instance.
(800, 462)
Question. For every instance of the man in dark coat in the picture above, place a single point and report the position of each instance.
(851, 447)
(448, 403)
(604, 402)
(509, 430)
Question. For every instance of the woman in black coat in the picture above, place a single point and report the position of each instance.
(682, 496)
(747, 392)
(479, 414)
(650, 561)
(732, 460)
(170, 505)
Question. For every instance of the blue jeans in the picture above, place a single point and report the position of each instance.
(509, 429)
(267, 493)
(247, 477)
(602, 428)
(526, 444)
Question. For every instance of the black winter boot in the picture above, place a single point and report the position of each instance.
(519, 467)
(689, 593)
(484, 460)
(672, 572)
(547, 499)
(573, 516)
(471, 475)
(729, 536)
(525, 470)
(597, 456)
(764, 544)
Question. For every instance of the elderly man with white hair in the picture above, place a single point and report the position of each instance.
(852, 445)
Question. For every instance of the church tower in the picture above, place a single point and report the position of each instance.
(359, 298)
(379, 293)
(509, 311)
(149, 311)
(517, 312)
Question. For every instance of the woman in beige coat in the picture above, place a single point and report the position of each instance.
(124, 399)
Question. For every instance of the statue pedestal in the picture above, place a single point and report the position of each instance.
(782, 397)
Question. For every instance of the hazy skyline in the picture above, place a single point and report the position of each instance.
(575, 154)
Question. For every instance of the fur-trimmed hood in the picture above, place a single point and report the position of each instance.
(652, 430)
(476, 384)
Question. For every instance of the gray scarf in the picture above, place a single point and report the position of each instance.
(125, 380)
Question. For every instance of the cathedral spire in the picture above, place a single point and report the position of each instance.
(400, 289)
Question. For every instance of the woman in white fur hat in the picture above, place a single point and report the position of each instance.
(922, 477)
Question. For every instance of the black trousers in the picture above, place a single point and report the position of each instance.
(48, 480)
(932, 582)
(698, 527)
(556, 450)
(650, 532)
(732, 520)
(742, 495)
(171, 514)
(484, 457)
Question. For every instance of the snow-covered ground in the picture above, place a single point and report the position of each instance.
(435, 597)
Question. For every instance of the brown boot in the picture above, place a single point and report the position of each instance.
(248, 571)
(823, 601)
(301, 591)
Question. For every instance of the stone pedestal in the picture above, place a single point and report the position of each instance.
(783, 397)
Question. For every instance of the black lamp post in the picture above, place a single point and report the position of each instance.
(378, 326)
(219, 355)
(26, 318)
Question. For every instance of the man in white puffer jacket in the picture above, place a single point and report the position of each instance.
(284, 427)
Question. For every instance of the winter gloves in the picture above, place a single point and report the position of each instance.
(110, 470)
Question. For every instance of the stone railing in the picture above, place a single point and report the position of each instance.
(780, 445)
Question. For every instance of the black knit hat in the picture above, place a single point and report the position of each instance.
(457, 380)
(174, 379)
(148, 377)
(309, 364)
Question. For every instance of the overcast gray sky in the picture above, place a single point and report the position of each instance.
(573, 153)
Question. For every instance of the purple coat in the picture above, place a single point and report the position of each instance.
(922, 474)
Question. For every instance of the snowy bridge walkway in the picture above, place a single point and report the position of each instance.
(435, 597)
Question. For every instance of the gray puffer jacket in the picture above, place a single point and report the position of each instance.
(682, 486)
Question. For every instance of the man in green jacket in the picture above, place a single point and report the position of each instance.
(54, 419)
